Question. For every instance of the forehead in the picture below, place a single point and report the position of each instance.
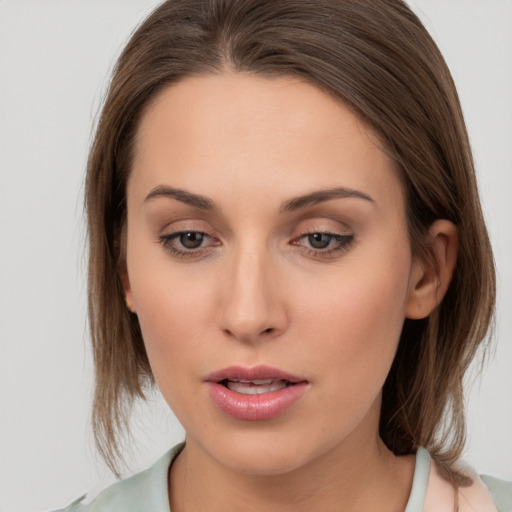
(246, 104)
(239, 130)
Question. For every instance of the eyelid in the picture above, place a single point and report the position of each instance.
(167, 239)
(323, 225)
(341, 235)
(183, 223)
(342, 243)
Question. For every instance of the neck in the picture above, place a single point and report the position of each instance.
(355, 475)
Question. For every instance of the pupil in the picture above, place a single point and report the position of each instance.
(319, 240)
(191, 240)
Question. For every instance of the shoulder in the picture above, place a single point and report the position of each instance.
(501, 492)
(145, 491)
(485, 494)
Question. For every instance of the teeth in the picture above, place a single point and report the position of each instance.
(265, 381)
(255, 387)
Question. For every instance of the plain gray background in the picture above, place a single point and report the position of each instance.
(55, 56)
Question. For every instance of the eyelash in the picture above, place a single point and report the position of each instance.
(167, 243)
(342, 243)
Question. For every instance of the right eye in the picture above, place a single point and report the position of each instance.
(191, 239)
(187, 243)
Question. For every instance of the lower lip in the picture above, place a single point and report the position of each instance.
(256, 407)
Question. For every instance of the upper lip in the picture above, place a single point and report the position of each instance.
(260, 372)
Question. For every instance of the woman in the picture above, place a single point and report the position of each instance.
(286, 237)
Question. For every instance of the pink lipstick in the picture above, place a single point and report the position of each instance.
(258, 393)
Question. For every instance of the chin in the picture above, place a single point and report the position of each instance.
(263, 464)
(265, 453)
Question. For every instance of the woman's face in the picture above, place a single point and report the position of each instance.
(269, 265)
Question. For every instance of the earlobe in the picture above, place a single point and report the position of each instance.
(128, 292)
(429, 280)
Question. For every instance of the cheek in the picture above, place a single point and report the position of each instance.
(170, 314)
(170, 308)
(356, 317)
(172, 326)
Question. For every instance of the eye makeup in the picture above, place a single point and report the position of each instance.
(188, 243)
(323, 245)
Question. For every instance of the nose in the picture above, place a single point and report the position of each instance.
(252, 308)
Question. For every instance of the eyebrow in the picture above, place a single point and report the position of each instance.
(297, 203)
(320, 196)
(196, 200)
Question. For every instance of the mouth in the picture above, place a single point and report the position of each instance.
(258, 393)
(254, 381)
(256, 386)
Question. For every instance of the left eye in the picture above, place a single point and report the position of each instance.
(321, 243)
(319, 240)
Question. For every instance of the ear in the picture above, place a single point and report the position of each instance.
(127, 291)
(429, 280)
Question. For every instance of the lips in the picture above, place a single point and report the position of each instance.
(256, 373)
(257, 393)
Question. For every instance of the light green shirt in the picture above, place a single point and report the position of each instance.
(147, 491)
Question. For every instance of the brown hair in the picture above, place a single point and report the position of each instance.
(376, 57)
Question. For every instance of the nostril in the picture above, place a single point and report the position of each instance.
(241, 335)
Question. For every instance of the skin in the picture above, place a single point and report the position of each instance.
(256, 292)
